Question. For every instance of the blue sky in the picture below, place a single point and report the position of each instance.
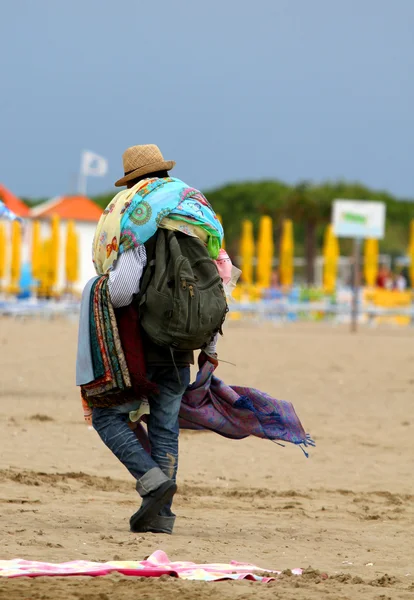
(286, 89)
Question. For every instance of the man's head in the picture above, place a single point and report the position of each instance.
(142, 162)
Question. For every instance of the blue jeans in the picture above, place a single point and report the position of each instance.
(150, 471)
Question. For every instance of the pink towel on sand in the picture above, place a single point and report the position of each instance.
(156, 565)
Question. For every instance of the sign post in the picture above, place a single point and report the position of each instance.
(358, 219)
(356, 283)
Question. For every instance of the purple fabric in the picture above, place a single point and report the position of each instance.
(237, 412)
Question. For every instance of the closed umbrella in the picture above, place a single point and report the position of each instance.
(54, 254)
(71, 256)
(36, 251)
(371, 252)
(265, 250)
(2, 252)
(286, 254)
(247, 252)
(16, 257)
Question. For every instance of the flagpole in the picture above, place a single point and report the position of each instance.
(82, 184)
(82, 178)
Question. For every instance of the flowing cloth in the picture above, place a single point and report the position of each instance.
(134, 215)
(237, 412)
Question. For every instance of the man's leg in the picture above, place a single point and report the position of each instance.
(152, 483)
(163, 431)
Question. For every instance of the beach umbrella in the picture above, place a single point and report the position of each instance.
(36, 251)
(411, 253)
(54, 254)
(247, 252)
(286, 254)
(2, 251)
(16, 257)
(371, 252)
(71, 255)
(265, 252)
(330, 264)
(44, 288)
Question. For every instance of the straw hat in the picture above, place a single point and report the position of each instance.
(142, 160)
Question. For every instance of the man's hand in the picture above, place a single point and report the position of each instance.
(203, 357)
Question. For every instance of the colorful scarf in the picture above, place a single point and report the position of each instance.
(134, 215)
(237, 412)
(117, 378)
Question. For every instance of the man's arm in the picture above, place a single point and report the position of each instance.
(125, 278)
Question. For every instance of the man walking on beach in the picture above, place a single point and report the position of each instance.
(129, 249)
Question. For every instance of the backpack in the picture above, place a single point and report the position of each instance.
(182, 302)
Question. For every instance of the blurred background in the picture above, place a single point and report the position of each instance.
(273, 111)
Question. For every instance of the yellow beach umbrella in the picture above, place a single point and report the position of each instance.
(330, 265)
(286, 254)
(71, 256)
(247, 252)
(54, 254)
(411, 252)
(16, 257)
(2, 251)
(265, 250)
(371, 252)
(45, 269)
(36, 251)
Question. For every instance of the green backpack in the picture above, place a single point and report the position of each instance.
(182, 302)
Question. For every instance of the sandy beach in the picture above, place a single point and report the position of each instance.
(346, 512)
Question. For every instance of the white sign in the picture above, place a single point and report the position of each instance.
(358, 219)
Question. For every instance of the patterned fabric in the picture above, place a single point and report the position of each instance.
(237, 412)
(109, 364)
(186, 225)
(6, 214)
(154, 566)
(183, 227)
(116, 353)
(134, 215)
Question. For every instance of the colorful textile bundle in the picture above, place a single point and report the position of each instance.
(113, 383)
(134, 215)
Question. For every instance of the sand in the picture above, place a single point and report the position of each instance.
(347, 512)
